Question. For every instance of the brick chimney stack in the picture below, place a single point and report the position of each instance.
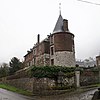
(38, 38)
(65, 25)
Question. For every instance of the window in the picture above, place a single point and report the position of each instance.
(34, 52)
(72, 37)
(34, 61)
(52, 51)
(51, 39)
(73, 48)
(29, 64)
(52, 61)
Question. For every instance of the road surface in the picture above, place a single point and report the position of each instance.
(7, 95)
(67, 96)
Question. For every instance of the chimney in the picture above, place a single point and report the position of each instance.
(65, 25)
(38, 38)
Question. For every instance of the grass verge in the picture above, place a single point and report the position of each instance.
(73, 90)
(14, 89)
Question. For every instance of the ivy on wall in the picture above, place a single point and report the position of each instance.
(51, 71)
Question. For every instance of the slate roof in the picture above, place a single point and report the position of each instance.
(59, 25)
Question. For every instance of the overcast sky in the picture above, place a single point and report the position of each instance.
(22, 20)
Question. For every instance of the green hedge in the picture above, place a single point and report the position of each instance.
(50, 71)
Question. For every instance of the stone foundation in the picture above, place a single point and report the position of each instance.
(64, 58)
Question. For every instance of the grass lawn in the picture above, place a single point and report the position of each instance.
(14, 89)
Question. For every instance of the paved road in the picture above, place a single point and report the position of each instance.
(83, 96)
(7, 95)
(80, 96)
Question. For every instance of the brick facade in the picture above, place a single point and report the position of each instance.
(98, 60)
(64, 41)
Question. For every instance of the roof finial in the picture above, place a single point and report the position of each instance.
(60, 8)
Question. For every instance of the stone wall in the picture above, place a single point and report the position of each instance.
(23, 83)
(43, 60)
(37, 85)
(89, 77)
(64, 58)
(30, 84)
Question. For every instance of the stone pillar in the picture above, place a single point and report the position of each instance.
(77, 75)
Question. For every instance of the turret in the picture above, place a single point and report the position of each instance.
(62, 50)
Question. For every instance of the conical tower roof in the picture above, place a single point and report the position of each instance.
(59, 25)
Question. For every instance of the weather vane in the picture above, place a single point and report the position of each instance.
(60, 8)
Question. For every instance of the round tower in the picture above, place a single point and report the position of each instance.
(62, 51)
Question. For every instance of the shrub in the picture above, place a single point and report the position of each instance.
(50, 71)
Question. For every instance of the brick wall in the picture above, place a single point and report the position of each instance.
(98, 61)
(63, 41)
